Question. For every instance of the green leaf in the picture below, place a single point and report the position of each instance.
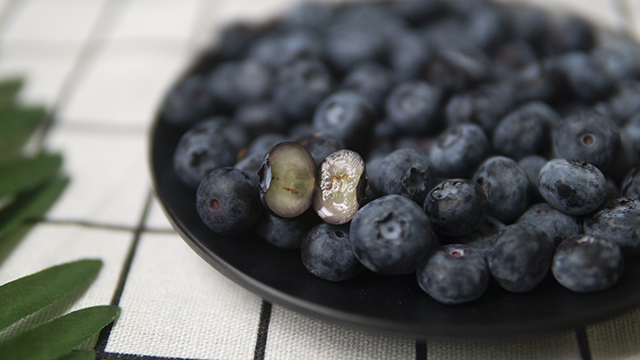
(79, 355)
(17, 127)
(26, 173)
(31, 205)
(31, 293)
(57, 337)
(9, 89)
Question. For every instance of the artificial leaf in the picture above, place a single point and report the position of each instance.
(25, 173)
(31, 293)
(31, 205)
(57, 337)
(17, 126)
(79, 355)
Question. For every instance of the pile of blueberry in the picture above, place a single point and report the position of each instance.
(464, 141)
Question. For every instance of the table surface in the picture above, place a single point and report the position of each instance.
(101, 67)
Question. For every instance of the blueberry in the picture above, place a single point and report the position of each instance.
(391, 235)
(488, 26)
(228, 202)
(571, 186)
(587, 263)
(619, 60)
(532, 165)
(619, 221)
(555, 223)
(408, 54)
(320, 145)
(624, 103)
(588, 136)
(188, 102)
(631, 184)
(201, 150)
(525, 131)
(405, 172)
(539, 81)
(260, 117)
(286, 47)
(482, 239)
(287, 179)
(236, 82)
(299, 88)
(251, 165)
(286, 233)
(417, 12)
(311, 15)
(346, 115)
(459, 150)
(521, 257)
(484, 106)
(565, 33)
(326, 253)
(454, 274)
(413, 107)
(507, 186)
(586, 78)
(371, 80)
(457, 69)
(261, 144)
(340, 184)
(626, 158)
(456, 207)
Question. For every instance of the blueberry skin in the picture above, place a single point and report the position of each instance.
(228, 201)
(188, 102)
(456, 207)
(413, 107)
(236, 82)
(320, 145)
(251, 165)
(571, 186)
(631, 184)
(619, 60)
(260, 117)
(586, 78)
(371, 80)
(552, 221)
(532, 165)
(507, 186)
(482, 239)
(405, 172)
(619, 221)
(459, 150)
(525, 131)
(286, 233)
(454, 274)
(300, 87)
(263, 143)
(588, 136)
(201, 150)
(391, 235)
(346, 115)
(521, 257)
(326, 253)
(587, 263)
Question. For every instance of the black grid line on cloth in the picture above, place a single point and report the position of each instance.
(263, 330)
(421, 350)
(583, 343)
(98, 225)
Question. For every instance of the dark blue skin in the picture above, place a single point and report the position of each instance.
(484, 106)
(370, 79)
(456, 207)
(482, 239)
(587, 263)
(619, 60)
(188, 102)
(201, 150)
(455, 69)
(251, 164)
(586, 78)
(459, 150)
(413, 107)
(286, 233)
(521, 257)
(236, 82)
(228, 201)
(507, 186)
(566, 33)
(454, 274)
(525, 131)
(624, 103)
(588, 136)
(320, 145)
(539, 82)
(405, 172)
(286, 47)
(573, 187)
(260, 117)
(408, 53)
(300, 87)
(619, 221)
(552, 221)
(532, 165)
(264, 142)
(631, 184)
(326, 253)
(391, 235)
(348, 116)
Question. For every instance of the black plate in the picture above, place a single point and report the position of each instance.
(387, 304)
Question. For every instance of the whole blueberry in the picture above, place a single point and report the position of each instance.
(346, 115)
(408, 54)
(454, 274)
(286, 233)
(454, 69)
(619, 60)
(326, 253)
(236, 82)
(532, 165)
(588, 136)
(370, 79)
(413, 107)
(456, 207)
(282, 48)
(300, 87)
(624, 103)
(586, 78)
(552, 221)
(482, 239)
(251, 165)
(507, 186)
(521, 257)
(631, 184)
(405, 172)
(587, 263)
(260, 117)
(391, 235)
(459, 150)
(201, 150)
(571, 186)
(619, 221)
(228, 201)
(188, 102)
